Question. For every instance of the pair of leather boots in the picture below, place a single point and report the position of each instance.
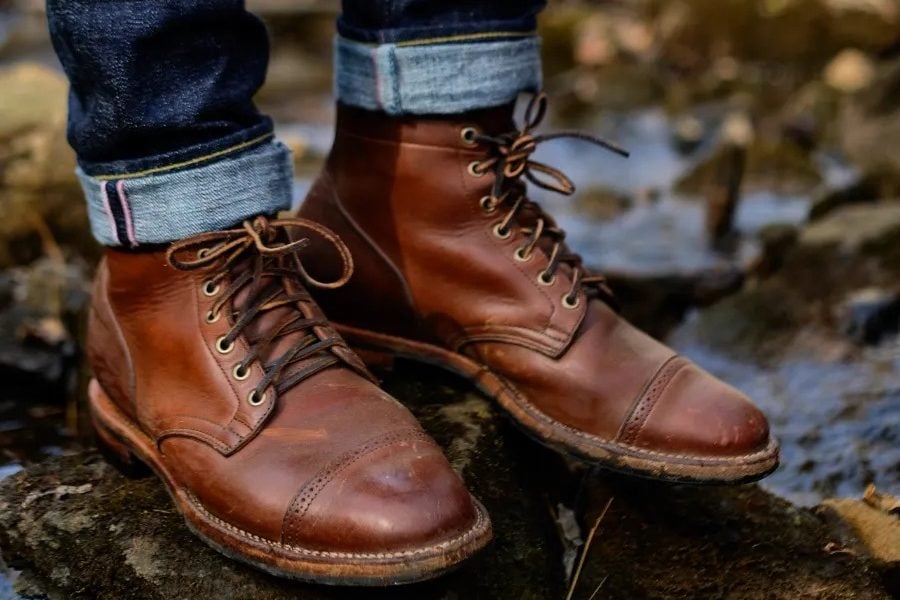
(215, 366)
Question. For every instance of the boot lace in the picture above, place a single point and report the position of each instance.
(511, 160)
(256, 269)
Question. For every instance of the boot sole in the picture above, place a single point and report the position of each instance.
(123, 440)
(380, 349)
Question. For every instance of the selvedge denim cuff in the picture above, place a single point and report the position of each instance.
(438, 76)
(170, 203)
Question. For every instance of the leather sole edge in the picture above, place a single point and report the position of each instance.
(611, 455)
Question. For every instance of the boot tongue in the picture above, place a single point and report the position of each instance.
(494, 121)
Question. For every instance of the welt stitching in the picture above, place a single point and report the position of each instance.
(523, 403)
(464, 537)
(535, 413)
(215, 443)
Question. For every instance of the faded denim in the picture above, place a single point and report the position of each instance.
(161, 116)
(173, 205)
(439, 78)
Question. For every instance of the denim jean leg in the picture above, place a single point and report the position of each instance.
(161, 116)
(435, 57)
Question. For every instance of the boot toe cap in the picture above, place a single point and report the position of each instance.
(699, 415)
(397, 498)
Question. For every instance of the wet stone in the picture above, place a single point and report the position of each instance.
(76, 528)
(870, 314)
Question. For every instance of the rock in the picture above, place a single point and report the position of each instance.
(867, 23)
(755, 324)
(78, 528)
(855, 229)
(776, 239)
(39, 321)
(870, 125)
(658, 303)
(870, 314)
(850, 249)
(864, 190)
(35, 155)
(849, 71)
(772, 162)
(783, 549)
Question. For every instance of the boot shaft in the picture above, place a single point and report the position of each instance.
(406, 195)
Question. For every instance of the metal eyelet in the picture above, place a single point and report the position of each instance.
(210, 288)
(221, 348)
(502, 233)
(203, 253)
(473, 169)
(486, 205)
(254, 399)
(521, 256)
(212, 317)
(467, 135)
(570, 303)
(240, 372)
(543, 280)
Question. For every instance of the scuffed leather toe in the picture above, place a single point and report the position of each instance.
(398, 495)
(696, 414)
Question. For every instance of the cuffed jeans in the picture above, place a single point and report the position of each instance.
(161, 115)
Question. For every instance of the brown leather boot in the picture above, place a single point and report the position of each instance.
(458, 268)
(214, 367)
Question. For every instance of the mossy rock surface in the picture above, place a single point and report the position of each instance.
(79, 529)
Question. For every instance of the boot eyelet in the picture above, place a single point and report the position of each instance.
(543, 279)
(521, 256)
(203, 253)
(486, 205)
(254, 399)
(212, 317)
(501, 232)
(210, 288)
(468, 134)
(240, 372)
(473, 169)
(569, 303)
(221, 348)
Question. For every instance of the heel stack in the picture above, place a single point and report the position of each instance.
(114, 449)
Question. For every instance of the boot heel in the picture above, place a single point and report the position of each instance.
(118, 454)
